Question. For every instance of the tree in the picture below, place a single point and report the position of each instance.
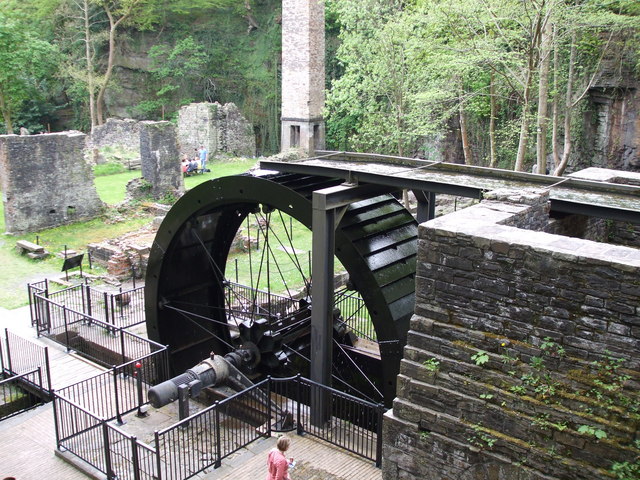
(26, 62)
(118, 12)
(176, 68)
(422, 66)
(593, 32)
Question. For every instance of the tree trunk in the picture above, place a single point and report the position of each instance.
(531, 61)
(543, 92)
(492, 123)
(90, 72)
(524, 126)
(555, 118)
(464, 136)
(560, 168)
(113, 28)
(107, 73)
(464, 133)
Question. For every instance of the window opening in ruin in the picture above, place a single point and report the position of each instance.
(52, 211)
(295, 135)
(316, 136)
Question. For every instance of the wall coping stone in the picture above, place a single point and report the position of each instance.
(484, 220)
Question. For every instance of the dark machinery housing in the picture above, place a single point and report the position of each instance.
(193, 305)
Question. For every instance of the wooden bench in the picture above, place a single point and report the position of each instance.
(32, 250)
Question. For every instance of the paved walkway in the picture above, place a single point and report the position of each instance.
(27, 441)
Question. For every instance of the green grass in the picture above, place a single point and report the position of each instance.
(18, 270)
(109, 168)
(112, 188)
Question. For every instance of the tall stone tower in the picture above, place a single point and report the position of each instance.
(302, 74)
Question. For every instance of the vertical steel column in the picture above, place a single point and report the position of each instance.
(323, 222)
(426, 206)
(328, 206)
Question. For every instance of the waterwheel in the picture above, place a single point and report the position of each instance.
(229, 269)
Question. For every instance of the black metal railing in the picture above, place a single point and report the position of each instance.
(41, 288)
(19, 356)
(245, 302)
(120, 390)
(351, 423)
(20, 393)
(124, 308)
(84, 426)
(355, 314)
(95, 339)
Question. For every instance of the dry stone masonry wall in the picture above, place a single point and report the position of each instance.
(160, 159)
(46, 181)
(523, 355)
(220, 128)
(115, 132)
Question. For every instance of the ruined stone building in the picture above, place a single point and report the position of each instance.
(46, 181)
(221, 129)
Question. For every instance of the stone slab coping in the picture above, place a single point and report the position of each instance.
(608, 175)
(29, 246)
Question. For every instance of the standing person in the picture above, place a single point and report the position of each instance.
(204, 154)
(277, 462)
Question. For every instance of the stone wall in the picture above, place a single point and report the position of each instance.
(46, 181)
(116, 133)
(160, 159)
(220, 128)
(508, 370)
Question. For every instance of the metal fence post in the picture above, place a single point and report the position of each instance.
(55, 418)
(66, 329)
(6, 336)
(107, 451)
(105, 297)
(299, 429)
(269, 406)
(124, 358)
(87, 290)
(134, 458)
(47, 313)
(113, 312)
(48, 371)
(380, 410)
(156, 437)
(218, 461)
(117, 397)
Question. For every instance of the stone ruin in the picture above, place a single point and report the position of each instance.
(46, 181)
(220, 128)
(161, 175)
(124, 133)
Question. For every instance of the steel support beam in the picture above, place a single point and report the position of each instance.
(426, 205)
(326, 205)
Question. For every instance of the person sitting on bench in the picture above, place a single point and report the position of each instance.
(193, 167)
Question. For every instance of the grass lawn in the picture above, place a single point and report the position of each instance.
(18, 270)
(112, 188)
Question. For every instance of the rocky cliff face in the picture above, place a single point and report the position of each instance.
(612, 129)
